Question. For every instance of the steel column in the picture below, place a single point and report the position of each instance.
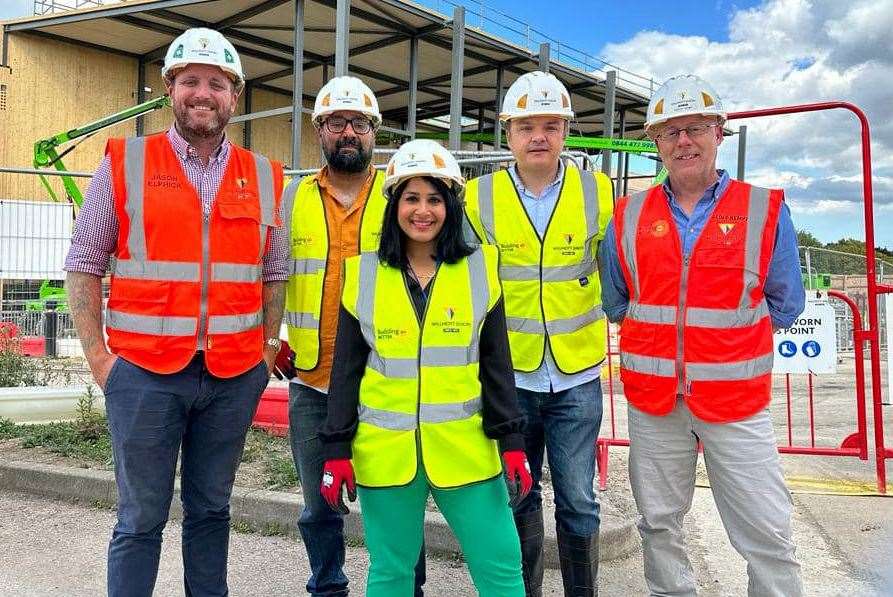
(413, 86)
(742, 150)
(458, 75)
(140, 95)
(544, 57)
(497, 123)
(608, 117)
(246, 128)
(622, 162)
(297, 85)
(342, 41)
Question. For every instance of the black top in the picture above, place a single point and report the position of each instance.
(502, 417)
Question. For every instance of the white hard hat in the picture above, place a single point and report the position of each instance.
(536, 94)
(682, 96)
(422, 157)
(346, 93)
(203, 46)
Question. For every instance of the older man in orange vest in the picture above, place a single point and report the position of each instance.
(193, 315)
(699, 270)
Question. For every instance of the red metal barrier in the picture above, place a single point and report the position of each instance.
(856, 444)
(272, 411)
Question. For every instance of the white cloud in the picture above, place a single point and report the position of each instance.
(786, 52)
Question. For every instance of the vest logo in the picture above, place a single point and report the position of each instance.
(389, 333)
(164, 181)
(568, 238)
(450, 325)
(301, 241)
(509, 247)
(660, 228)
(449, 313)
(569, 249)
(241, 182)
(726, 227)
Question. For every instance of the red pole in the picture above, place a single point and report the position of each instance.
(787, 383)
(871, 334)
(859, 356)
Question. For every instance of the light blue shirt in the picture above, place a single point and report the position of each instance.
(547, 378)
(783, 289)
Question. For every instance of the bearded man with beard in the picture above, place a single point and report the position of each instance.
(332, 215)
(193, 316)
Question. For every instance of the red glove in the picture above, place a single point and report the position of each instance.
(336, 473)
(517, 472)
(284, 367)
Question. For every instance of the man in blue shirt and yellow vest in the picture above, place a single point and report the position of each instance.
(547, 218)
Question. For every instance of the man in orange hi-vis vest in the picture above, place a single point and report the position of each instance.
(197, 292)
(699, 270)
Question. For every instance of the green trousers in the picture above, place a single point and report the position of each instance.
(479, 516)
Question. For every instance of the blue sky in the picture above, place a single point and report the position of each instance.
(756, 54)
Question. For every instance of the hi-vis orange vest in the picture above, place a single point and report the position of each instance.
(182, 282)
(698, 326)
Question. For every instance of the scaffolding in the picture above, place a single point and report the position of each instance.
(49, 7)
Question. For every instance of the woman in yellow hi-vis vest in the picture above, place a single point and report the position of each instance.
(422, 396)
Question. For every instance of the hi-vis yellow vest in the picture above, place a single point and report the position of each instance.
(309, 240)
(420, 389)
(552, 289)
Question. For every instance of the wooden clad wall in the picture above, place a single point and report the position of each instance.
(52, 86)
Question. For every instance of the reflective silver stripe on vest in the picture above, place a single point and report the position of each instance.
(631, 215)
(366, 296)
(480, 299)
(651, 313)
(134, 178)
(446, 413)
(726, 318)
(302, 320)
(393, 367)
(648, 365)
(233, 324)
(288, 201)
(736, 370)
(386, 419)
(306, 266)
(572, 324)
(524, 325)
(447, 356)
(264, 170)
(156, 270)
(567, 273)
(154, 325)
(519, 273)
(235, 272)
(485, 206)
(590, 202)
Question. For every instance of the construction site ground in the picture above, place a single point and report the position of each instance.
(844, 531)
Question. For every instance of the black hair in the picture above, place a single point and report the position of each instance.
(450, 246)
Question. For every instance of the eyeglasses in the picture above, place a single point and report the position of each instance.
(695, 130)
(360, 124)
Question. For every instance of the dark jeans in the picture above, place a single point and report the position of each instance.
(321, 528)
(151, 416)
(565, 425)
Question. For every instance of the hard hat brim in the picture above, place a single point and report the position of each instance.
(178, 66)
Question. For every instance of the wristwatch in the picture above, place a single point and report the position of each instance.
(274, 343)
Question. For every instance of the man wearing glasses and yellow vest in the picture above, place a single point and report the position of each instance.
(332, 215)
(547, 218)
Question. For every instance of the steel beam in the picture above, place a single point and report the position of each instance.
(413, 86)
(608, 119)
(140, 95)
(119, 9)
(342, 37)
(497, 108)
(456, 89)
(544, 58)
(297, 85)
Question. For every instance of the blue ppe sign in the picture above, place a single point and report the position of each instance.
(811, 348)
(787, 349)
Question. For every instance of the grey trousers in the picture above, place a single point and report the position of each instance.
(748, 488)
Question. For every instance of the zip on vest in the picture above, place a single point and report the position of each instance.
(680, 328)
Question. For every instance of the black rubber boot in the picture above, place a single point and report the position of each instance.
(578, 556)
(530, 532)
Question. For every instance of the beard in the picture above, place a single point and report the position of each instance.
(348, 161)
(200, 129)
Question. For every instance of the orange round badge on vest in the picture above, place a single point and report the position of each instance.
(659, 228)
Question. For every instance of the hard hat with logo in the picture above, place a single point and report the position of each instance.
(682, 96)
(536, 94)
(203, 46)
(422, 157)
(346, 93)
